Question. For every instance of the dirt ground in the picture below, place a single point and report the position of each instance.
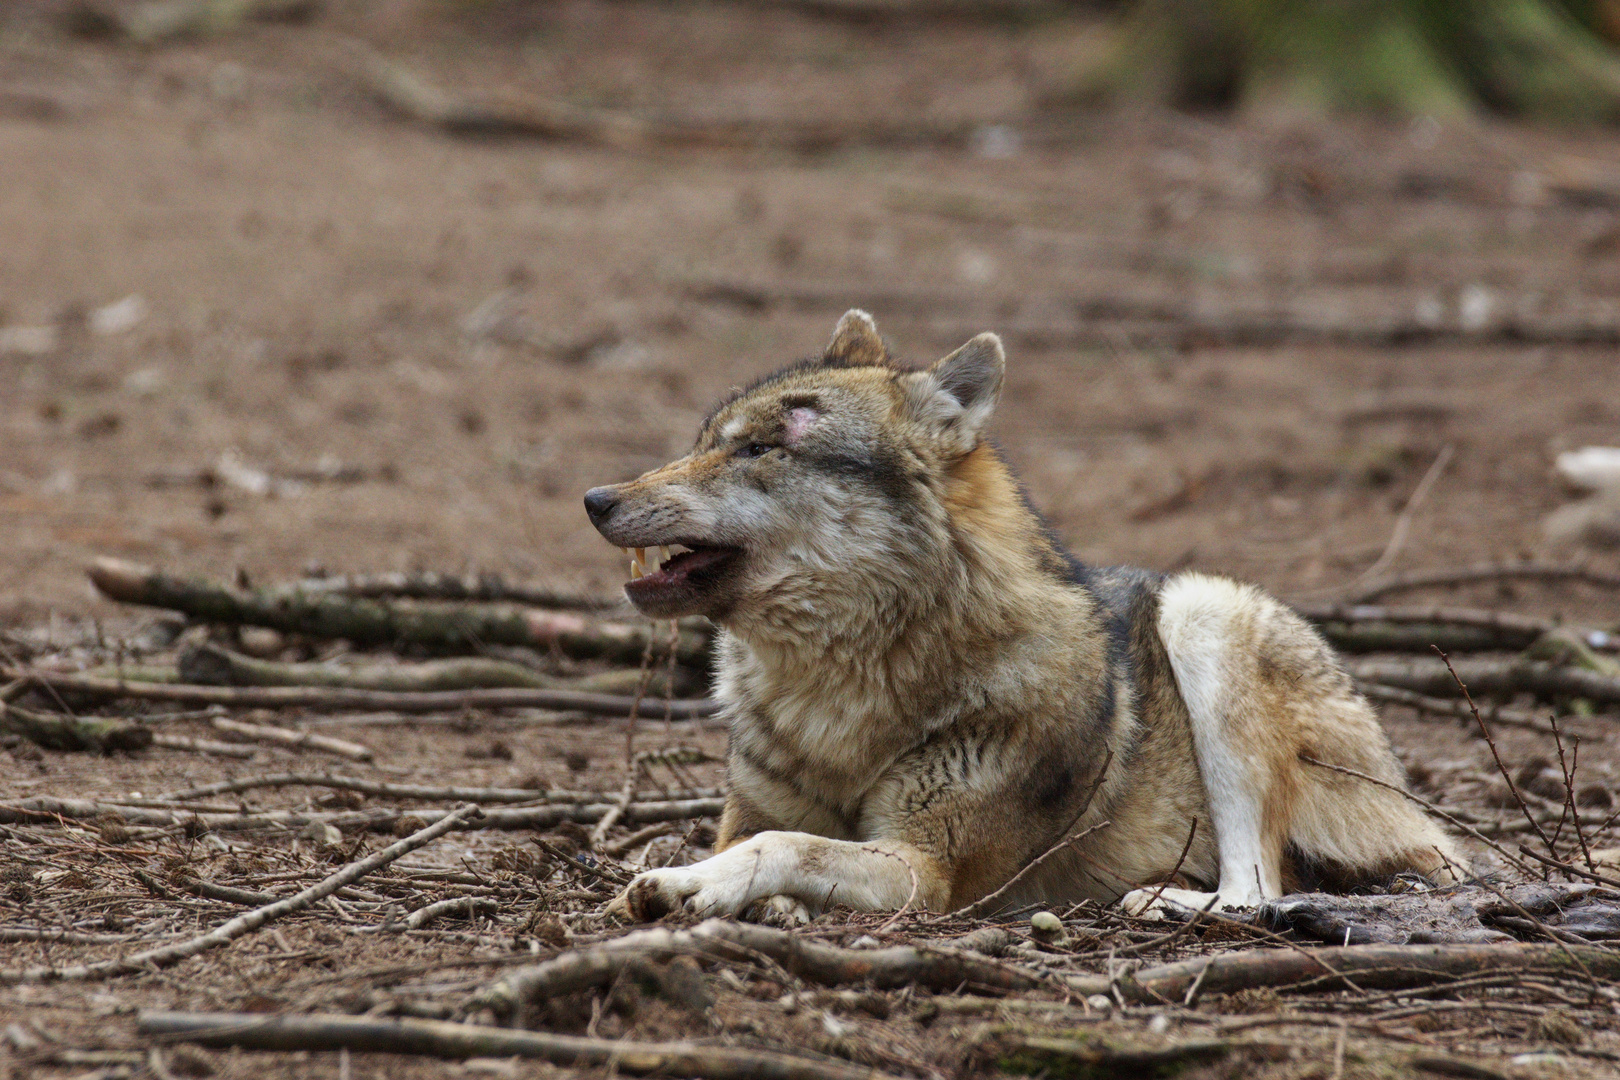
(361, 344)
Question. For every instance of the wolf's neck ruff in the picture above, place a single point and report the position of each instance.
(903, 635)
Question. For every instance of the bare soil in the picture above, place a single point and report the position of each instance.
(428, 347)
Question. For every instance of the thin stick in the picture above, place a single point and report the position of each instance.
(1569, 791)
(1186, 847)
(376, 787)
(1566, 868)
(612, 877)
(247, 922)
(625, 844)
(287, 737)
(1403, 523)
(202, 746)
(1503, 769)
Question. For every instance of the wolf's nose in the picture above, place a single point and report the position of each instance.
(599, 503)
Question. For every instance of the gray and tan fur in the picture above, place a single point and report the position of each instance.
(922, 686)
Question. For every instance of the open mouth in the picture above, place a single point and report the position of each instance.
(677, 578)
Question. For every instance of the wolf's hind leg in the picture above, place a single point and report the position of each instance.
(1206, 625)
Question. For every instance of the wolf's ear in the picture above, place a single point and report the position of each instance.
(855, 342)
(959, 393)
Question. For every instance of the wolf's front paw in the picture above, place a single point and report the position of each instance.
(656, 893)
(1156, 903)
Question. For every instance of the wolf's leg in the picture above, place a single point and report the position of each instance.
(811, 869)
(1202, 623)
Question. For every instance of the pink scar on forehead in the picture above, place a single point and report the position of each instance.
(798, 422)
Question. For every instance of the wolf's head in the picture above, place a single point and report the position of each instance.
(833, 474)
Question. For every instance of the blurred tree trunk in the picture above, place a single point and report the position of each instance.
(1435, 57)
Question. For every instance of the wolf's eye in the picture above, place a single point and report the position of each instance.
(754, 449)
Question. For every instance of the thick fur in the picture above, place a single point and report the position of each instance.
(923, 687)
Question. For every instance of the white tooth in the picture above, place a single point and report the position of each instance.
(663, 554)
(635, 569)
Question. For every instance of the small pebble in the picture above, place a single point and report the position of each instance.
(1045, 925)
(1100, 1003)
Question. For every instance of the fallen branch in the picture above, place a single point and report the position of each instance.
(1373, 628)
(426, 585)
(210, 665)
(1050, 1055)
(333, 699)
(1160, 316)
(1373, 967)
(211, 891)
(415, 98)
(287, 737)
(203, 746)
(45, 809)
(247, 922)
(59, 732)
(439, 1038)
(1471, 575)
(465, 906)
(1453, 707)
(933, 968)
(443, 627)
(166, 20)
(372, 787)
(1544, 680)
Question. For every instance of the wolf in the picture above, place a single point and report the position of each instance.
(926, 694)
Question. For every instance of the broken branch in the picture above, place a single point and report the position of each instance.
(287, 737)
(281, 697)
(440, 1038)
(445, 627)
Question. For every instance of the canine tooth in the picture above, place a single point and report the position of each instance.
(635, 569)
(641, 557)
(663, 554)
